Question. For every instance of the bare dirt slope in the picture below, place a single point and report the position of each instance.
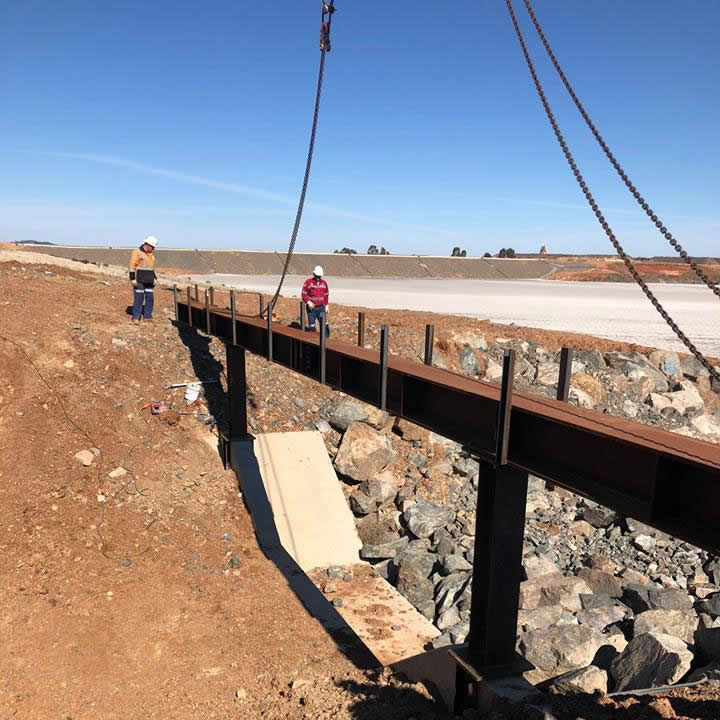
(143, 595)
(605, 270)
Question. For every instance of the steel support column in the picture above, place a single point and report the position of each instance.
(189, 306)
(207, 311)
(233, 313)
(175, 301)
(563, 388)
(361, 329)
(269, 333)
(382, 384)
(429, 336)
(497, 572)
(237, 391)
(323, 350)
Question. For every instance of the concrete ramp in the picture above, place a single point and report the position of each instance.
(303, 523)
(313, 521)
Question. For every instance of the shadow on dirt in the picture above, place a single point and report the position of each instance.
(383, 702)
(209, 370)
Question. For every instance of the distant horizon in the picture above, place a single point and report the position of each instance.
(519, 255)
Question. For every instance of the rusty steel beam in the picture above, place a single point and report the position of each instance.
(665, 480)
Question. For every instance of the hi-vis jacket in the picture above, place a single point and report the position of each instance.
(315, 291)
(143, 264)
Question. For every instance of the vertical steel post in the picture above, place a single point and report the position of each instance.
(429, 335)
(361, 329)
(269, 334)
(563, 389)
(197, 293)
(497, 566)
(237, 391)
(302, 315)
(207, 311)
(232, 315)
(382, 385)
(175, 301)
(261, 303)
(189, 304)
(212, 296)
(505, 408)
(323, 340)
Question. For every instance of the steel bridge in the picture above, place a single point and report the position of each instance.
(668, 481)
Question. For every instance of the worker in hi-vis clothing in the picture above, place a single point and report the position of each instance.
(142, 277)
(316, 295)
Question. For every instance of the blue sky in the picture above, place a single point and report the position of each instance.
(191, 121)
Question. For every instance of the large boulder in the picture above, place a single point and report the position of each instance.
(352, 411)
(413, 583)
(677, 623)
(601, 583)
(376, 530)
(539, 618)
(591, 386)
(552, 590)
(449, 589)
(708, 425)
(643, 597)
(384, 551)
(538, 565)
(668, 362)
(468, 337)
(651, 660)
(589, 679)
(558, 650)
(411, 432)
(600, 618)
(469, 363)
(363, 452)
(686, 399)
(424, 518)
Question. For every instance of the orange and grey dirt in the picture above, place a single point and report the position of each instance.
(131, 583)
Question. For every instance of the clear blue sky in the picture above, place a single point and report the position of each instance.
(191, 120)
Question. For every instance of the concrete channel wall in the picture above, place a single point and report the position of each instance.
(239, 262)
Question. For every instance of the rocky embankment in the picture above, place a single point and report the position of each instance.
(607, 603)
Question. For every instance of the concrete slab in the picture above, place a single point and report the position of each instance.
(339, 265)
(513, 269)
(313, 521)
(380, 616)
(393, 266)
(449, 267)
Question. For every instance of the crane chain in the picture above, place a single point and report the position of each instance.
(328, 10)
(596, 209)
(613, 160)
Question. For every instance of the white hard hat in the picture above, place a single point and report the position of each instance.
(151, 240)
(318, 271)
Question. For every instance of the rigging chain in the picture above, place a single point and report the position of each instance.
(613, 161)
(596, 209)
(328, 8)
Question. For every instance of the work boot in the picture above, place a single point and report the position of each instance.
(135, 321)
(148, 320)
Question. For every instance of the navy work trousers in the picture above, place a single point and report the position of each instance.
(143, 301)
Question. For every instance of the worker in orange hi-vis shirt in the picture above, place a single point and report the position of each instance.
(141, 270)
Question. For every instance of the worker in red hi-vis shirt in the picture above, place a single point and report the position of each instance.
(315, 295)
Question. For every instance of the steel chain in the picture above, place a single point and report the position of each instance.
(613, 161)
(308, 165)
(598, 213)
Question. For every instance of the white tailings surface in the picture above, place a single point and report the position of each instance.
(618, 311)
